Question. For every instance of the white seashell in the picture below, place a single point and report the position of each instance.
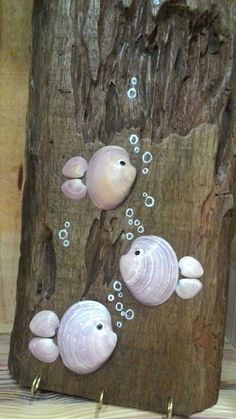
(109, 177)
(190, 267)
(188, 288)
(74, 189)
(44, 324)
(150, 270)
(85, 337)
(75, 167)
(44, 349)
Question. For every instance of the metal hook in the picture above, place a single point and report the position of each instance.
(170, 408)
(99, 403)
(35, 384)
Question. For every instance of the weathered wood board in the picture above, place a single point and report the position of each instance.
(83, 57)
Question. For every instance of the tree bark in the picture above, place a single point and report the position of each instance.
(84, 54)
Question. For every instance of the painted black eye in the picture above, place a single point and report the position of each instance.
(99, 326)
(122, 163)
(137, 252)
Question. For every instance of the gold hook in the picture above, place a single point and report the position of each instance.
(35, 384)
(170, 408)
(99, 403)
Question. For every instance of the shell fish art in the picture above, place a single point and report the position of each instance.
(109, 177)
(150, 271)
(85, 339)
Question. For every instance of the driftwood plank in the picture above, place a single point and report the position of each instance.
(83, 57)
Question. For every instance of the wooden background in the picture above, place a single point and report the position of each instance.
(14, 89)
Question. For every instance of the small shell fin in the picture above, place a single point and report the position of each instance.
(44, 349)
(74, 189)
(75, 168)
(188, 287)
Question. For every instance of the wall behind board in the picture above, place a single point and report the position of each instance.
(15, 29)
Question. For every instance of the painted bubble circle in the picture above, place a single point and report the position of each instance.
(67, 224)
(119, 306)
(147, 157)
(136, 222)
(136, 150)
(129, 314)
(129, 236)
(132, 93)
(140, 229)
(133, 139)
(145, 194)
(145, 171)
(149, 201)
(134, 80)
(122, 313)
(120, 295)
(119, 324)
(117, 286)
(110, 297)
(130, 222)
(66, 243)
(63, 234)
(129, 212)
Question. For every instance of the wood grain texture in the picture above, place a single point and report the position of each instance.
(231, 309)
(15, 401)
(14, 63)
(83, 56)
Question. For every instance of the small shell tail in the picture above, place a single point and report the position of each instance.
(74, 189)
(44, 325)
(75, 168)
(188, 288)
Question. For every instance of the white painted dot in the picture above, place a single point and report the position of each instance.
(132, 93)
(133, 139)
(149, 201)
(117, 286)
(129, 315)
(134, 80)
(147, 157)
(110, 297)
(129, 212)
(119, 324)
(130, 222)
(129, 236)
(136, 222)
(122, 313)
(145, 194)
(67, 224)
(63, 234)
(145, 171)
(119, 306)
(136, 150)
(140, 229)
(66, 243)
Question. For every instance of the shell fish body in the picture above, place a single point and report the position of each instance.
(85, 337)
(150, 270)
(109, 177)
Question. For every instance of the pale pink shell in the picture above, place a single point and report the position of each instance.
(150, 270)
(109, 177)
(190, 267)
(44, 349)
(85, 337)
(74, 189)
(44, 324)
(188, 288)
(75, 167)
